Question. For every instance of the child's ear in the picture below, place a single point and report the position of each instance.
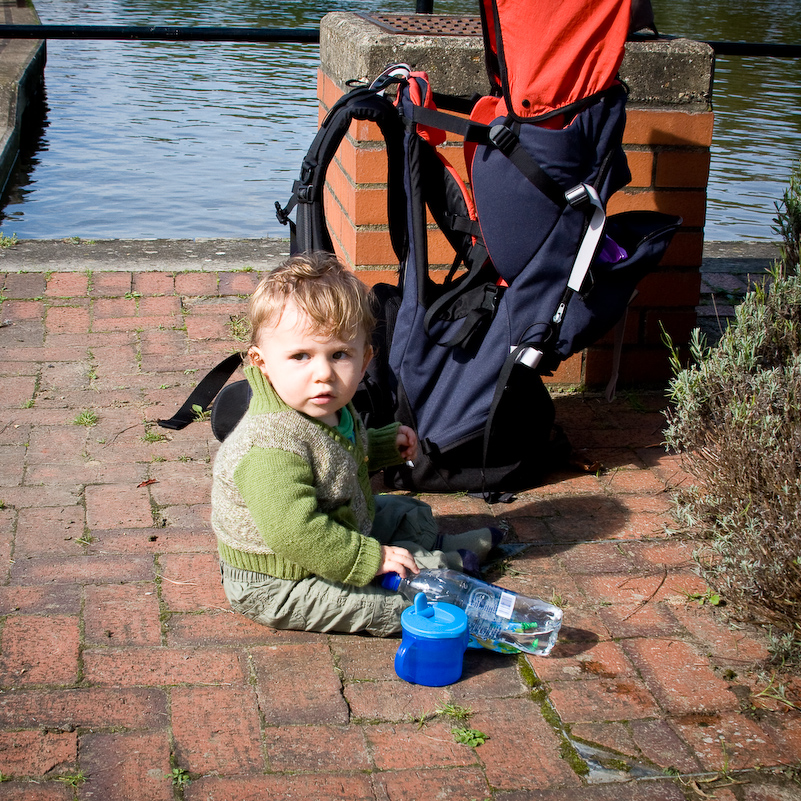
(368, 357)
(256, 358)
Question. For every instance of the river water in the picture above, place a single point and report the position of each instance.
(190, 140)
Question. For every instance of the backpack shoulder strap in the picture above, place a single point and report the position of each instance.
(204, 393)
(310, 231)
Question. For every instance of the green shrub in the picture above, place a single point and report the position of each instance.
(736, 418)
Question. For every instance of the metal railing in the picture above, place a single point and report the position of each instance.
(175, 33)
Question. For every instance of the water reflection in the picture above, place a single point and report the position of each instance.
(757, 104)
(148, 139)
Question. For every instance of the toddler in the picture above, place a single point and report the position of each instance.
(301, 537)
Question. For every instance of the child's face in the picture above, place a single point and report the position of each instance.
(315, 374)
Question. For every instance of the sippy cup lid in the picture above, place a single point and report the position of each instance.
(433, 621)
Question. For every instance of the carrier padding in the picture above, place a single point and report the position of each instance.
(547, 54)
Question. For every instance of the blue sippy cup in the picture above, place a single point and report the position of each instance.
(434, 641)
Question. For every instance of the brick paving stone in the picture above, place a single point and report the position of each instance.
(112, 309)
(197, 516)
(581, 660)
(189, 483)
(131, 667)
(456, 784)
(24, 285)
(640, 481)
(602, 699)
(298, 684)
(153, 283)
(67, 285)
(530, 529)
(118, 506)
(194, 284)
(317, 748)
(190, 582)
(632, 791)
(26, 497)
(35, 791)
(122, 614)
(680, 677)
(53, 529)
(35, 753)
(82, 569)
(216, 730)
(110, 284)
(62, 445)
(727, 645)
(728, 741)
(226, 627)
(598, 557)
(67, 319)
(660, 743)
(642, 587)
(765, 790)
(125, 766)
(90, 708)
(665, 553)
(283, 787)
(611, 736)
(522, 751)
(12, 465)
(784, 728)
(401, 746)
(39, 650)
(365, 659)
(392, 701)
(152, 540)
(652, 619)
(487, 674)
(61, 599)
(237, 283)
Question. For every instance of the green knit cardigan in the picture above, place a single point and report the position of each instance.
(291, 496)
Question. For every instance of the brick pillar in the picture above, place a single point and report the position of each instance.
(667, 140)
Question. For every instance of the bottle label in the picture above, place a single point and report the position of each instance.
(506, 605)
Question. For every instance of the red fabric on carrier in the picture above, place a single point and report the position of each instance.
(554, 52)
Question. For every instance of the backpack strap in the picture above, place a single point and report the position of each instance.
(204, 393)
(310, 231)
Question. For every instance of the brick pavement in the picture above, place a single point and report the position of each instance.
(123, 673)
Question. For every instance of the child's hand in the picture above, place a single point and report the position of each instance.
(396, 560)
(407, 443)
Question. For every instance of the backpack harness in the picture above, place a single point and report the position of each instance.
(540, 271)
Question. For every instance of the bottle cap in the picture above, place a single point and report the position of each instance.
(391, 581)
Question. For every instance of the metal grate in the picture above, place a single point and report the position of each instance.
(426, 24)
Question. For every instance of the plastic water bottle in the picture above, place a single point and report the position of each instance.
(497, 619)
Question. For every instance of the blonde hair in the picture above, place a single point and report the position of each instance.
(333, 298)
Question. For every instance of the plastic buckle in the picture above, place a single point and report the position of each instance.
(281, 213)
(503, 138)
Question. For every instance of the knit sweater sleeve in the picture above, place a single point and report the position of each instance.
(278, 488)
(382, 446)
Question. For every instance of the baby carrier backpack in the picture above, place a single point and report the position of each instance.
(540, 271)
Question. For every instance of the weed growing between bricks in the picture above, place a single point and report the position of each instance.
(737, 421)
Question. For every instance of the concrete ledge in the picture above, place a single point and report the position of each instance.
(143, 255)
(22, 63)
(673, 72)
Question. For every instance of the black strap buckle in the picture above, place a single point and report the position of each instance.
(503, 138)
(282, 214)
